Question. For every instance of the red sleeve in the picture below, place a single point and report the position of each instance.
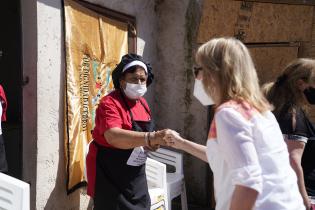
(4, 104)
(108, 115)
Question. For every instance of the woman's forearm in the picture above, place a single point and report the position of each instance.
(300, 177)
(194, 149)
(173, 139)
(296, 149)
(126, 139)
(243, 198)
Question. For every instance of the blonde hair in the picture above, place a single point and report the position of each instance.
(231, 61)
(285, 90)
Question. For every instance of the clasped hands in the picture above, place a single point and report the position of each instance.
(166, 137)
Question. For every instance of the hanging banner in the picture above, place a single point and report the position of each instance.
(94, 45)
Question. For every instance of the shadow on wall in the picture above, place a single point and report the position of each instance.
(29, 59)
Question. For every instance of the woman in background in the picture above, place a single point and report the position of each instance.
(291, 95)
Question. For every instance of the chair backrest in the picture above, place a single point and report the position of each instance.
(14, 193)
(156, 174)
(168, 157)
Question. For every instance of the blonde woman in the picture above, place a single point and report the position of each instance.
(293, 91)
(245, 147)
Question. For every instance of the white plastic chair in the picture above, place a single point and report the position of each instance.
(175, 181)
(156, 178)
(14, 193)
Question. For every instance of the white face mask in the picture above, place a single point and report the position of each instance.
(201, 95)
(135, 91)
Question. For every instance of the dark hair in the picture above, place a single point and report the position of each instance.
(284, 90)
(117, 73)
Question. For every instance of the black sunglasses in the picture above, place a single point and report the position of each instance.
(196, 70)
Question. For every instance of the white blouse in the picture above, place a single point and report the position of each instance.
(247, 148)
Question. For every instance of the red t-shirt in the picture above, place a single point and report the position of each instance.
(112, 112)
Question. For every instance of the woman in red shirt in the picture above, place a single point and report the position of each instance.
(123, 132)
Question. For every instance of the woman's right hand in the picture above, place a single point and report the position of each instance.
(173, 139)
(167, 137)
(158, 138)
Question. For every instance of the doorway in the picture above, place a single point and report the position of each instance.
(11, 80)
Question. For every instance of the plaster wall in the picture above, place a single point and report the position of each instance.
(50, 186)
(174, 103)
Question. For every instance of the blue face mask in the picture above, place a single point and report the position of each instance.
(310, 95)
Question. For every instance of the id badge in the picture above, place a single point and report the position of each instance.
(137, 157)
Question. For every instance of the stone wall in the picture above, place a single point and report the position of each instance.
(174, 104)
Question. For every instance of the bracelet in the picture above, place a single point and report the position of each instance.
(149, 140)
(146, 139)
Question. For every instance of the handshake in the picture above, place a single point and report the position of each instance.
(166, 137)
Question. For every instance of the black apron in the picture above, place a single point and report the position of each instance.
(119, 186)
(308, 160)
(3, 159)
